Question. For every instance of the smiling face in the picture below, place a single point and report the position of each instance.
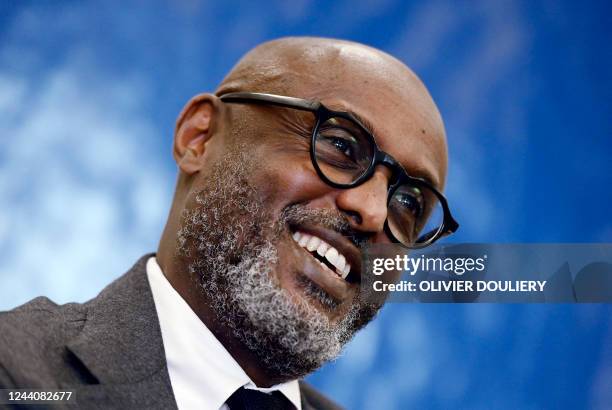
(275, 249)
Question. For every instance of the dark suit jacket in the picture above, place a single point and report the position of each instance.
(108, 350)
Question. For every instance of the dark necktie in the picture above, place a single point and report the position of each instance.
(247, 399)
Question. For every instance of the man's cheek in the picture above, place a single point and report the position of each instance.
(290, 180)
(284, 267)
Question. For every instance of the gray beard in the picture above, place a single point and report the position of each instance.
(228, 236)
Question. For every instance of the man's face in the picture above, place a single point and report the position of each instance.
(245, 217)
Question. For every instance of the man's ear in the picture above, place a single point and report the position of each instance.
(194, 128)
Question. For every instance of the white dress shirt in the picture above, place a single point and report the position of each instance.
(202, 373)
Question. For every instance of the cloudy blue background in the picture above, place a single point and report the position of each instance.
(89, 93)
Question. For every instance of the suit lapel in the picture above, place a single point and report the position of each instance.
(121, 346)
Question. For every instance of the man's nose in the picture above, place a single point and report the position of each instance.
(366, 204)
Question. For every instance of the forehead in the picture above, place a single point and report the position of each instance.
(406, 122)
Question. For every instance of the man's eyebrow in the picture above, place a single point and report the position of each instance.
(365, 122)
(427, 177)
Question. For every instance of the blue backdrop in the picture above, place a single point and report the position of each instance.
(89, 93)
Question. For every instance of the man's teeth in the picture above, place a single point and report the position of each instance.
(313, 243)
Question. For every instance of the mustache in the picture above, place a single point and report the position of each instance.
(297, 214)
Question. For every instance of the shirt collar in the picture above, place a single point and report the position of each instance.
(198, 363)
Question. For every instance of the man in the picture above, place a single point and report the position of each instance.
(255, 283)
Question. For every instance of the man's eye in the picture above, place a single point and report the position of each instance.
(410, 203)
(342, 145)
(340, 140)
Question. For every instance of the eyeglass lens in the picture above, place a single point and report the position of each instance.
(344, 152)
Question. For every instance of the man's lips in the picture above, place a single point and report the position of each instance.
(331, 247)
(323, 277)
(327, 277)
(327, 255)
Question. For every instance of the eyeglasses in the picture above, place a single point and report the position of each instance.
(344, 154)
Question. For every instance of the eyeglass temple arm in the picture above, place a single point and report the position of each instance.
(281, 101)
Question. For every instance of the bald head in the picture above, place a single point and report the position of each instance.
(281, 65)
(346, 74)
